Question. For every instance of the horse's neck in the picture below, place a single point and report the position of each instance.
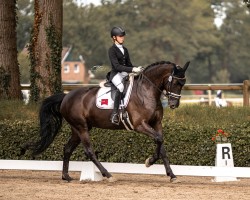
(149, 86)
(154, 77)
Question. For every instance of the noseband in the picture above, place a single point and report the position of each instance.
(169, 86)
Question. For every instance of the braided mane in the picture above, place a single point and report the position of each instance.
(150, 70)
(158, 63)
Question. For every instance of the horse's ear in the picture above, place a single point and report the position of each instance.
(186, 66)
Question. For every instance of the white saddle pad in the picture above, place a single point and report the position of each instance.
(104, 100)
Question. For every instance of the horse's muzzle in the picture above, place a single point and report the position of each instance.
(174, 104)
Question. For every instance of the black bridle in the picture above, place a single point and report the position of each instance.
(169, 93)
(169, 86)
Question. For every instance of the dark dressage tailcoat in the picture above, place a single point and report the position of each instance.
(120, 62)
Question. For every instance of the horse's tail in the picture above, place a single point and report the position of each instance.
(50, 122)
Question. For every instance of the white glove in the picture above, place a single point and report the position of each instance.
(137, 69)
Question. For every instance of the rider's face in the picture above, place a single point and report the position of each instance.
(119, 39)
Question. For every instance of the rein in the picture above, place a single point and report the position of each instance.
(168, 92)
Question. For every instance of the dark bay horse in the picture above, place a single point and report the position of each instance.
(145, 111)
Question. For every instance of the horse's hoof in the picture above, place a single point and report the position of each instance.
(147, 162)
(174, 180)
(112, 179)
(67, 178)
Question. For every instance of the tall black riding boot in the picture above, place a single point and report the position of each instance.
(115, 115)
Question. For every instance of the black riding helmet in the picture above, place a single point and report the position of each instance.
(117, 31)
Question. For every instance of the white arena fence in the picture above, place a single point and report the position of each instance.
(90, 172)
(244, 87)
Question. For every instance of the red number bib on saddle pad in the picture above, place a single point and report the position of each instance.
(104, 100)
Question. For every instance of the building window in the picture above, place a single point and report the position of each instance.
(76, 68)
(66, 69)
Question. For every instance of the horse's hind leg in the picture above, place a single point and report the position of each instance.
(83, 133)
(90, 153)
(68, 150)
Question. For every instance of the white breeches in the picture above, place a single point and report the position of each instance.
(117, 80)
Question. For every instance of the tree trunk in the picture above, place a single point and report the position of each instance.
(9, 70)
(45, 49)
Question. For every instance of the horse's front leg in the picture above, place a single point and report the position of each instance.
(158, 138)
(167, 164)
(160, 150)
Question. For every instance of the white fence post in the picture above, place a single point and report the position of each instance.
(89, 173)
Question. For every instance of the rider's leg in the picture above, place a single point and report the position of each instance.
(115, 114)
(117, 81)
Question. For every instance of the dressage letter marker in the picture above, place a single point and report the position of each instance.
(224, 158)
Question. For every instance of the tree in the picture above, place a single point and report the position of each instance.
(9, 72)
(247, 2)
(166, 30)
(45, 49)
(25, 14)
(233, 53)
(88, 38)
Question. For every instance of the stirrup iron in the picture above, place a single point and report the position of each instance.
(112, 119)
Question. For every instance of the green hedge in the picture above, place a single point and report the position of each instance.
(187, 133)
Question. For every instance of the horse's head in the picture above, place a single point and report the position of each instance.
(174, 85)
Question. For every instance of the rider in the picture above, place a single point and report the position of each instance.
(121, 66)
